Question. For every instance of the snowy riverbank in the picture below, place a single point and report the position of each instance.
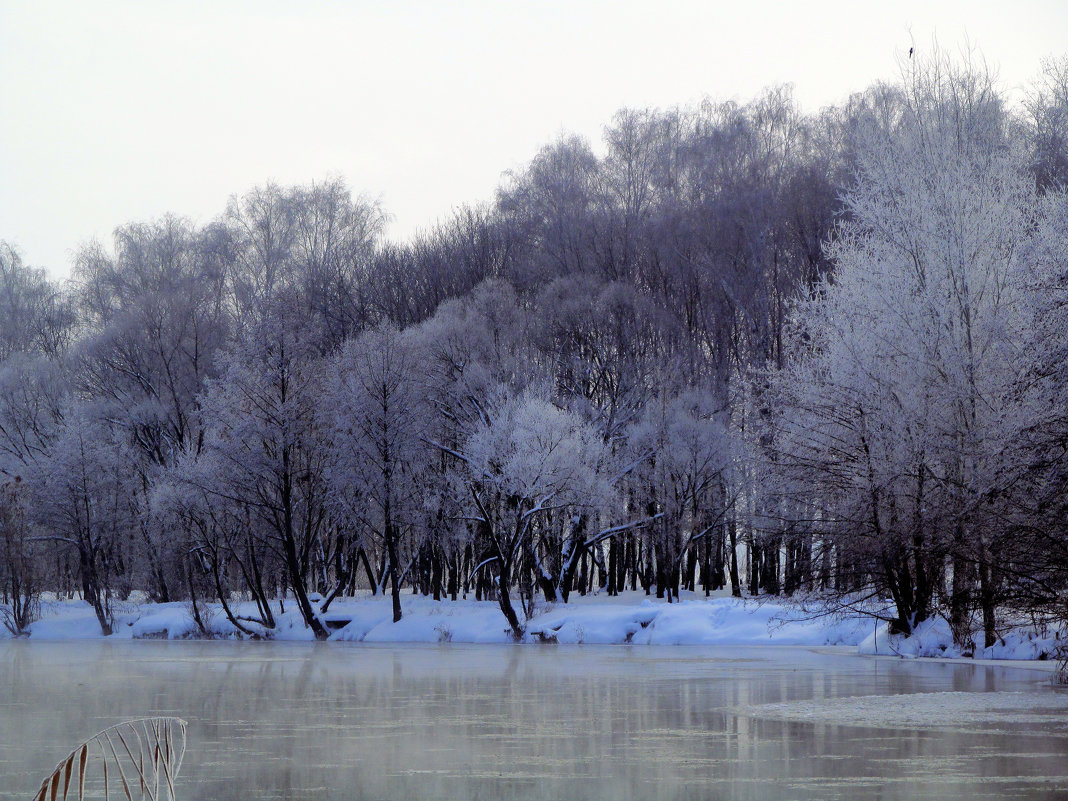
(628, 618)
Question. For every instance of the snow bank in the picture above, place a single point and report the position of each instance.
(629, 618)
(425, 620)
(719, 621)
(75, 620)
(933, 638)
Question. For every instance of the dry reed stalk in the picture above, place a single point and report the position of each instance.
(151, 749)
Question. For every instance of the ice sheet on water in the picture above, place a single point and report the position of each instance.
(991, 711)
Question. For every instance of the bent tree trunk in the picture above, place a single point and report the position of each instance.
(296, 579)
(92, 590)
(574, 549)
(503, 550)
(283, 521)
(504, 581)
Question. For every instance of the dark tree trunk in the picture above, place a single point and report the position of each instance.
(394, 577)
(960, 599)
(732, 534)
(92, 592)
(755, 553)
(504, 580)
(613, 567)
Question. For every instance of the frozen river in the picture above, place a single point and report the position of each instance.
(304, 722)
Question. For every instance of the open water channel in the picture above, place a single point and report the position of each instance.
(316, 722)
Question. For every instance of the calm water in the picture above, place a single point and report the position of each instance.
(304, 722)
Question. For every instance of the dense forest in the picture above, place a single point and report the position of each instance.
(816, 355)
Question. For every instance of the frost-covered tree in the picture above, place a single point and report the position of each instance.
(552, 206)
(602, 342)
(37, 317)
(471, 353)
(262, 446)
(895, 416)
(157, 316)
(529, 459)
(82, 495)
(226, 552)
(33, 399)
(408, 282)
(376, 418)
(314, 243)
(1034, 481)
(681, 452)
(1046, 118)
(21, 560)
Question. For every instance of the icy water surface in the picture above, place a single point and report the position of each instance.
(309, 723)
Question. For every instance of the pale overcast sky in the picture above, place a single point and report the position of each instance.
(118, 111)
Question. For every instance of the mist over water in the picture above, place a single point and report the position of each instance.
(295, 721)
